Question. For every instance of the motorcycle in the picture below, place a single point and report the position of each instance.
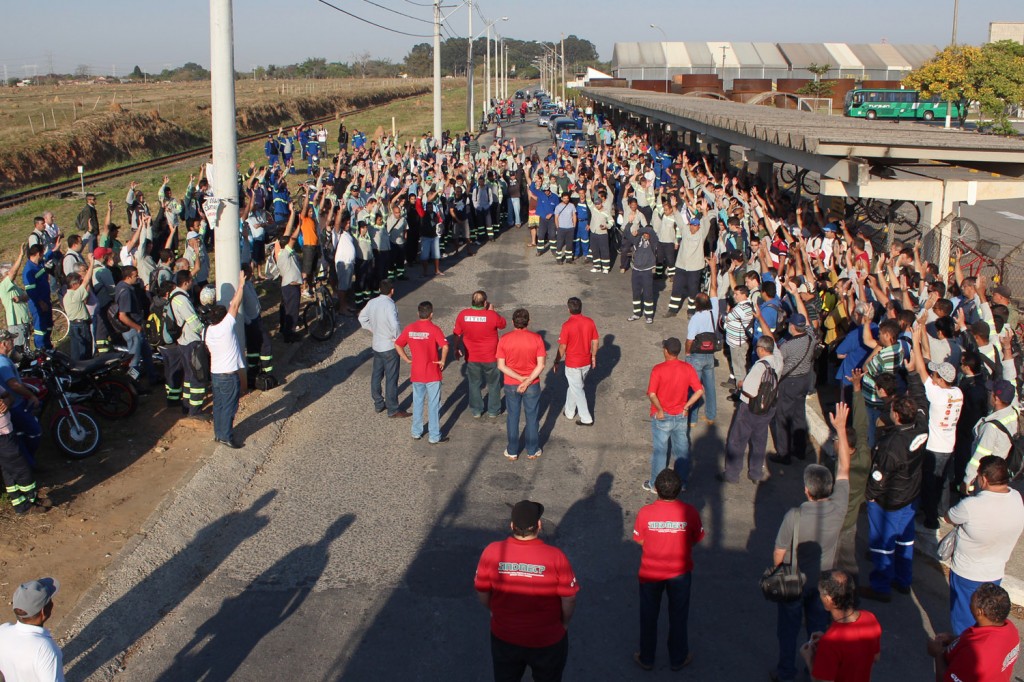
(53, 375)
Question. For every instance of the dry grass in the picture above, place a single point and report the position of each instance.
(412, 118)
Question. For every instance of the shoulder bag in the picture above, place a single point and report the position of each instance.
(785, 582)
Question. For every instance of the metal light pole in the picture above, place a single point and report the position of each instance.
(469, 70)
(665, 36)
(437, 70)
(949, 103)
(563, 67)
(223, 209)
(487, 73)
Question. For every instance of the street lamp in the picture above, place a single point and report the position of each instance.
(471, 99)
(665, 36)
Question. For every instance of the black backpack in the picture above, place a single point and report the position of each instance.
(171, 328)
(767, 391)
(1015, 457)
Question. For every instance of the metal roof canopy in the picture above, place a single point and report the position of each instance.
(831, 146)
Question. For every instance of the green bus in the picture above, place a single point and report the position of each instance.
(872, 104)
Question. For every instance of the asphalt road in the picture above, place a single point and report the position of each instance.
(350, 552)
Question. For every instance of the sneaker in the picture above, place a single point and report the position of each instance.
(648, 487)
(477, 415)
(493, 416)
(632, 318)
(606, 271)
(442, 439)
(595, 269)
(510, 457)
(535, 455)
(643, 666)
(583, 423)
(649, 320)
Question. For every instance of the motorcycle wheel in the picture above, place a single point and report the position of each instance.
(80, 442)
(117, 398)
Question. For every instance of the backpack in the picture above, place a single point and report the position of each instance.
(200, 361)
(767, 391)
(113, 313)
(993, 369)
(154, 277)
(781, 320)
(1015, 457)
(172, 330)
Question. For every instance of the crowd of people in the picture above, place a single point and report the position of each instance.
(785, 293)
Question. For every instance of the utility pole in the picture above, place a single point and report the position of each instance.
(487, 73)
(224, 203)
(563, 67)
(949, 103)
(437, 71)
(469, 69)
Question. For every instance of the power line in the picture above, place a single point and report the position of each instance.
(420, 4)
(395, 11)
(372, 23)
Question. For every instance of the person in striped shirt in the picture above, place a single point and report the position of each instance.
(886, 359)
(738, 322)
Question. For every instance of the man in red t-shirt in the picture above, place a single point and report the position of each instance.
(477, 328)
(424, 339)
(577, 343)
(521, 355)
(673, 389)
(667, 530)
(847, 651)
(530, 590)
(984, 652)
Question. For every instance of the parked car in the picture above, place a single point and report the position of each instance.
(559, 123)
(573, 141)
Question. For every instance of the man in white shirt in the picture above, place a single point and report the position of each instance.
(344, 262)
(227, 367)
(988, 525)
(27, 650)
(380, 317)
(945, 401)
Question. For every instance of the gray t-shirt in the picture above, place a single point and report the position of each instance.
(988, 527)
(820, 524)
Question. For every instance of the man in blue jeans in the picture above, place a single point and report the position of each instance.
(521, 355)
(129, 312)
(818, 522)
(380, 317)
(424, 339)
(701, 330)
(227, 366)
(673, 389)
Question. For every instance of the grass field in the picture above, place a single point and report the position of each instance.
(27, 114)
(412, 118)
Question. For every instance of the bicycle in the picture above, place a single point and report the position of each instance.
(318, 315)
(791, 175)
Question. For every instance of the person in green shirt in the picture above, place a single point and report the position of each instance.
(15, 301)
(75, 299)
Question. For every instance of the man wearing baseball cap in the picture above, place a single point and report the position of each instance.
(992, 434)
(27, 650)
(530, 589)
(945, 401)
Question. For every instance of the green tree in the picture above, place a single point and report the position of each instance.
(137, 72)
(947, 76)
(419, 63)
(818, 87)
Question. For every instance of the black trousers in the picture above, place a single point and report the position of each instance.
(563, 243)
(18, 479)
(789, 428)
(290, 295)
(643, 292)
(546, 663)
(685, 286)
(666, 259)
(599, 249)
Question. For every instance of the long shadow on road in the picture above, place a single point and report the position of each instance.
(132, 615)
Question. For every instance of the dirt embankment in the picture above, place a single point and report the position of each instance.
(118, 136)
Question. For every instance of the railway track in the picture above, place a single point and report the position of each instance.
(67, 186)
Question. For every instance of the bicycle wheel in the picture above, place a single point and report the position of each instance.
(61, 327)
(811, 184)
(877, 210)
(318, 321)
(909, 214)
(788, 173)
(966, 231)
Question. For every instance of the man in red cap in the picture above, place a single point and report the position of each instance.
(530, 590)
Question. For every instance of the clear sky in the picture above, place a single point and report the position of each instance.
(105, 34)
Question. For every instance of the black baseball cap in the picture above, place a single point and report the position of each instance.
(526, 514)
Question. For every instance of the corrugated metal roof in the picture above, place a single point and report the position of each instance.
(843, 57)
(747, 55)
(891, 56)
(802, 55)
(917, 55)
(699, 53)
(677, 56)
(728, 55)
(770, 56)
(868, 57)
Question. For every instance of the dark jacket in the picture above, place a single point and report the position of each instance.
(896, 463)
(643, 250)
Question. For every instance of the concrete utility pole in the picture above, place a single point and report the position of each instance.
(487, 74)
(949, 104)
(469, 69)
(224, 218)
(563, 67)
(437, 70)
